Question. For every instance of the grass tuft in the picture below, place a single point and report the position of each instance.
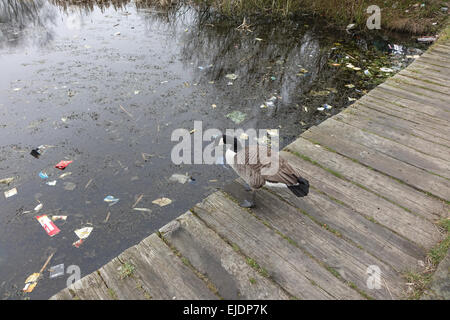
(127, 270)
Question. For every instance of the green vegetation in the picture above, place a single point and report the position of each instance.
(399, 15)
(418, 282)
(140, 287)
(445, 34)
(252, 263)
(407, 15)
(440, 250)
(112, 294)
(127, 270)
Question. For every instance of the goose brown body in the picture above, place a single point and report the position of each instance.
(248, 165)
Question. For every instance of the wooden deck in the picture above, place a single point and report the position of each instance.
(380, 181)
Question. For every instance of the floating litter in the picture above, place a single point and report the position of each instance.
(56, 271)
(54, 218)
(143, 210)
(83, 233)
(63, 164)
(162, 202)
(10, 193)
(43, 175)
(48, 225)
(111, 200)
(387, 70)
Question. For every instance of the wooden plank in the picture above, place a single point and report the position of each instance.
(420, 82)
(362, 122)
(213, 257)
(415, 201)
(387, 147)
(432, 78)
(126, 288)
(436, 64)
(90, 287)
(431, 97)
(422, 64)
(428, 69)
(436, 58)
(413, 227)
(286, 264)
(348, 260)
(421, 120)
(413, 128)
(437, 54)
(445, 44)
(385, 97)
(409, 174)
(161, 272)
(158, 274)
(374, 238)
(413, 95)
(440, 48)
(421, 71)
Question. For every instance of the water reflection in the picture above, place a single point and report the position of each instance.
(285, 60)
(24, 22)
(90, 5)
(32, 23)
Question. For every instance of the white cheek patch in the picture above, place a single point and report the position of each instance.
(229, 157)
(275, 185)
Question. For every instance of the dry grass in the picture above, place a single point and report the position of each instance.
(396, 15)
(406, 15)
(418, 282)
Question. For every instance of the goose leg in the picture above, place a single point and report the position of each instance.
(251, 203)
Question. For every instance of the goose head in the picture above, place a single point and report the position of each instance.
(231, 143)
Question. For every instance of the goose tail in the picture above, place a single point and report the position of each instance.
(301, 189)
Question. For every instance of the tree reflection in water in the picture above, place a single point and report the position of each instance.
(22, 21)
(268, 60)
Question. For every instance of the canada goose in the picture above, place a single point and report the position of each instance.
(250, 169)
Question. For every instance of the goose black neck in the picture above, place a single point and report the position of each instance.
(233, 141)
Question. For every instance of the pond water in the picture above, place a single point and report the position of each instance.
(106, 86)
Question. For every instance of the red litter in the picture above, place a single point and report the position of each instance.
(48, 225)
(63, 164)
(78, 243)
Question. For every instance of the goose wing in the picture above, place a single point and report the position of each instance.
(250, 168)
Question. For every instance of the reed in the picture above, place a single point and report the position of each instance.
(397, 15)
(406, 15)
